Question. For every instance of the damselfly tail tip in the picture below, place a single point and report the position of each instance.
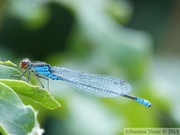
(139, 100)
(150, 105)
(144, 102)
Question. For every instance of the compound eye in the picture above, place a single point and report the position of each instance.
(24, 64)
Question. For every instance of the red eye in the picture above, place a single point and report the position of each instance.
(24, 63)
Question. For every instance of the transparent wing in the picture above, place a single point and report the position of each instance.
(93, 84)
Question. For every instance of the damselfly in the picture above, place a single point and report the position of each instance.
(92, 84)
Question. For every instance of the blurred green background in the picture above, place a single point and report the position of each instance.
(134, 40)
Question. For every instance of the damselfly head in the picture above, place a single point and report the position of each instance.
(25, 63)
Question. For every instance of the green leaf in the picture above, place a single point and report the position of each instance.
(8, 63)
(7, 72)
(15, 117)
(38, 94)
